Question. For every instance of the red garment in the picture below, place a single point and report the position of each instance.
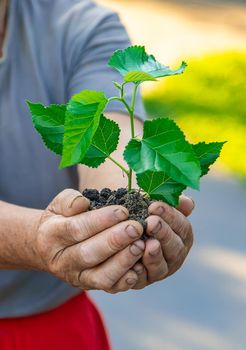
(75, 325)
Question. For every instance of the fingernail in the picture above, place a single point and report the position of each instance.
(74, 199)
(155, 250)
(132, 231)
(160, 210)
(157, 228)
(194, 204)
(120, 214)
(131, 281)
(137, 248)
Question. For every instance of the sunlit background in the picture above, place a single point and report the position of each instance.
(202, 307)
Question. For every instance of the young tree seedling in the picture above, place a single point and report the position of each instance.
(165, 163)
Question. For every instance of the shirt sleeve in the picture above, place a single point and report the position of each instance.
(90, 51)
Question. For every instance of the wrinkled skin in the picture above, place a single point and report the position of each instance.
(102, 250)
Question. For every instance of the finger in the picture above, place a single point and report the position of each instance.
(126, 282)
(142, 276)
(174, 218)
(105, 244)
(172, 245)
(186, 205)
(106, 275)
(154, 262)
(83, 226)
(68, 203)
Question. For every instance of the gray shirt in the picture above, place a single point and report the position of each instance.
(53, 49)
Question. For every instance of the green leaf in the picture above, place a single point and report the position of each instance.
(117, 85)
(49, 122)
(82, 120)
(207, 154)
(134, 59)
(138, 76)
(160, 186)
(104, 142)
(164, 148)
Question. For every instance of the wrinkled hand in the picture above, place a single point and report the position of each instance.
(88, 249)
(171, 239)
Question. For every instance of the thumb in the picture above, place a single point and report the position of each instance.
(186, 205)
(68, 203)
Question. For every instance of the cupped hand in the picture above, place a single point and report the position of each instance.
(88, 249)
(171, 239)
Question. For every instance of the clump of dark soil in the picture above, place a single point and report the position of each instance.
(134, 201)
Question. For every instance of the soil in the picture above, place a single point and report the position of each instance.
(134, 201)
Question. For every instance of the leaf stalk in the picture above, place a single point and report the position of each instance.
(131, 110)
(119, 165)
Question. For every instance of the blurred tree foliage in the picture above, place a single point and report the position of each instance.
(208, 102)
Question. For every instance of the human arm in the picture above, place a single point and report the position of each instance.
(16, 227)
(89, 250)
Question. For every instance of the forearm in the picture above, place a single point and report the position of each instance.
(17, 230)
(109, 174)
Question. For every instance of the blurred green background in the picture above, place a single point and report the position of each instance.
(208, 102)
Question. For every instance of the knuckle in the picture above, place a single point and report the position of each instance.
(86, 257)
(81, 280)
(108, 282)
(186, 229)
(159, 272)
(70, 278)
(178, 221)
(115, 240)
(70, 226)
(165, 234)
(181, 226)
(90, 223)
(127, 261)
(89, 280)
(178, 253)
(127, 264)
(72, 229)
(170, 213)
(154, 261)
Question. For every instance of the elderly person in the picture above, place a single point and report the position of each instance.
(52, 249)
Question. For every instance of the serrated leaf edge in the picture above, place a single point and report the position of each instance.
(106, 156)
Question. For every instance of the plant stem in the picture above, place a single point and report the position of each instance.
(119, 165)
(122, 90)
(131, 112)
(121, 99)
(132, 109)
(114, 98)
